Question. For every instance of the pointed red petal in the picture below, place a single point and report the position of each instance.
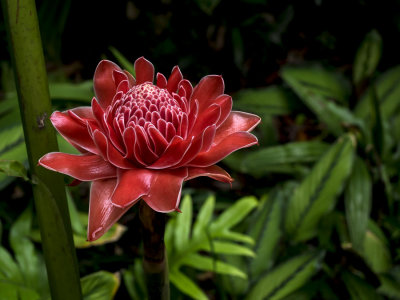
(173, 154)
(174, 79)
(144, 70)
(225, 102)
(209, 88)
(103, 81)
(187, 86)
(236, 121)
(131, 79)
(209, 117)
(131, 185)
(74, 131)
(81, 167)
(165, 191)
(102, 213)
(119, 76)
(161, 81)
(228, 145)
(213, 172)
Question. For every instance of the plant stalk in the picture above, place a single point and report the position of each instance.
(48, 188)
(155, 263)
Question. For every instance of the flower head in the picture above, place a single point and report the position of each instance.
(140, 140)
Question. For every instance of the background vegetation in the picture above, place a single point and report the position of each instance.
(314, 210)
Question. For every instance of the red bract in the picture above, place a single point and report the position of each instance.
(141, 140)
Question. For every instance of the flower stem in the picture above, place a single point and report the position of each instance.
(155, 263)
(48, 188)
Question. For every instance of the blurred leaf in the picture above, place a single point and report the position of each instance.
(285, 278)
(376, 251)
(389, 287)
(318, 88)
(317, 193)
(204, 216)
(134, 281)
(238, 47)
(358, 203)
(207, 6)
(204, 263)
(277, 157)
(186, 285)
(65, 146)
(82, 92)
(228, 248)
(272, 100)
(367, 57)
(358, 288)
(77, 226)
(183, 224)
(123, 61)
(101, 285)
(13, 168)
(378, 134)
(388, 93)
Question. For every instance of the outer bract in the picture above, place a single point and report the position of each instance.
(140, 140)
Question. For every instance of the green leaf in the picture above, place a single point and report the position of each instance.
(272, 100)
(388, 94)
(204, 216)
(358, 288)
(233, 214)
(378, 133)
(367, 57)
(8, 268)
(184, 284)
(134, 280)
(123, 61)
(389, 287)
(316, 195)
(237, 237)
(273, 158)
(228, 248)
(82, 92)
(376, 251)
(77, 226)
(266, 231)
(13, 168)
(358, 203)
(205, 263)
(317, 88)
(183, 224)
(101, 285)
(285, 278)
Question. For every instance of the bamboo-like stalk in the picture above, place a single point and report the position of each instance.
(48, 188)
(155, 263)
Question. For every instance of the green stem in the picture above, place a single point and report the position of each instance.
(155, 262)
(48, 188)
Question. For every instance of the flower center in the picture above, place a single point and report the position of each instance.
(149, 107)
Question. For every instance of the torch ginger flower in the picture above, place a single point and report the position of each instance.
(140, 140)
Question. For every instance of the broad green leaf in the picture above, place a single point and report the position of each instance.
(389, 287)
(272, 158)
(183, 224)
(169, 235)
(8, 268)
(388, 94)
(101, 285)
(272, 100)
(317, 193)
(205, 263)
(378, 132)
(237, 237)
(233, 214)
(10, 290)
(235, 285)
(285, 278)
(204, 216)
(123, 61)
(266, 231)
(227, 248)
(358, 203)
(76, 224)
(376, 251)
(358, 288)
(82, 92)
(134, 280)
(317, 88)
(367, 57)
(13, 168)
(186, 285)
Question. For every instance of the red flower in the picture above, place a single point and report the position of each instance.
(141, 141)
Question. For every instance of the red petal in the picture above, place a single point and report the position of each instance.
(103, 81)
(119, 76)
(98, 113)
(131, 79)
(146, 154)
(173, 153)
(74, 131)
(236, 121)
(165, 191)
(131, 185)
(109, 152)
(225, 102)
(144, 70)
(209, 88)
(83, 112)
(229, 144)
(213, 172)
(82, 167)
(209, 117)
(123, 87)
(161, 81)
(174, 79)
(102, 213)
(187, 86)
(158, 139)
